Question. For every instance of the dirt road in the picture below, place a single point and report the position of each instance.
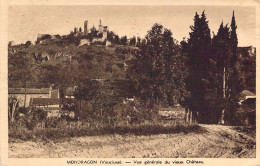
(218, 141)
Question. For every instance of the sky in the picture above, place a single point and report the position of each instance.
(26, 22)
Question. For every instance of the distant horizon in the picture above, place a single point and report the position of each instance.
(26, 22)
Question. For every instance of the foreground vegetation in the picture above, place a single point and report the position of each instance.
(64, 130)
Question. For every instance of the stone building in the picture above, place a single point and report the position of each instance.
(26, 95)
(246, 113)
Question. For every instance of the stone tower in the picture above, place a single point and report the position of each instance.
(100, 27)
(86, 28)
(104, 37)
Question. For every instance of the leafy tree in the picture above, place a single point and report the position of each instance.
(133, 41)
(104, 96)
(138, 43)
(85, 92)
(34, 116)
(157, 69)
(28, 43)
(69, 106)
(111, 37)
(123, 40)
(117, 40)
(75, 30)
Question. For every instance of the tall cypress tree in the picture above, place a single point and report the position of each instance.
(221, 50)
(233, 40)
(199, 45)
(233, 82)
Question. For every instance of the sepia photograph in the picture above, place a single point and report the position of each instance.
(131, 81)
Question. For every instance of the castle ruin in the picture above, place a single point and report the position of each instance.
(86, 35)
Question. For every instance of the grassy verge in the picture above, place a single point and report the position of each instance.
(68, 132)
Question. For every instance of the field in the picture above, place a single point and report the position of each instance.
(214, 142)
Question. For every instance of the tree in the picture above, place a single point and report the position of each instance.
(233, 41)
(221, 51)
(84, 92)
(234, 83)
(75, 30)
(69, 106)
(199, 45)
(117, 40)
(156, 68)
(138, 44)
(34, 116)
(123, 40)
(226, 78)
(133, 41)
(28, 43)
(111, 36)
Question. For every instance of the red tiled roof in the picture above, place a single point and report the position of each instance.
(28, 91)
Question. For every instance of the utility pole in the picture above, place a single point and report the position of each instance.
(25, 93)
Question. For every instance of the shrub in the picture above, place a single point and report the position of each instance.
(35, 116)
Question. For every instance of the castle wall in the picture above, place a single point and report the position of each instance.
(100, 28)
(104, 37)
(84, 42)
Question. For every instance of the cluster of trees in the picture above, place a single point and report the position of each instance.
(202, 73)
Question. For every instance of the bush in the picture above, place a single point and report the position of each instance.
(135, 112)
(34, 117)
(23, 110)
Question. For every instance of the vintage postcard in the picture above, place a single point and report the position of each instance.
(129, 83)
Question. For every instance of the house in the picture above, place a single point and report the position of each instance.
(246, 113)
(24, 95)
(249, 51)
(246, 94)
